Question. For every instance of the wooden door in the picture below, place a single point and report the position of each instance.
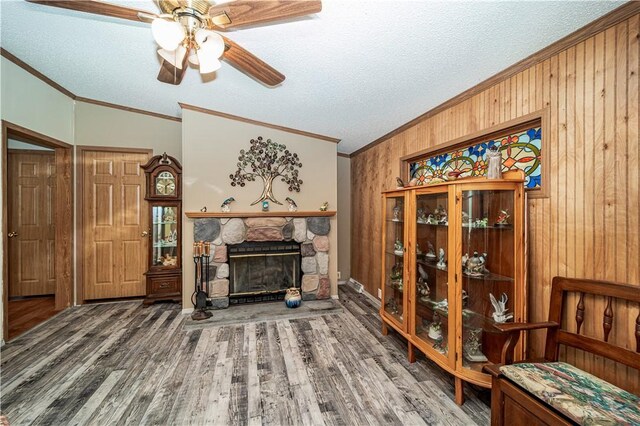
(114, 217)
(31, 189)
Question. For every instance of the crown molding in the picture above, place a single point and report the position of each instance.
(37, 74)
(128, 109)
(342, 154)
(258, 123)
(612, 18)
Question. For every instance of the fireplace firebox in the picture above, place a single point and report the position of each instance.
(263, 271)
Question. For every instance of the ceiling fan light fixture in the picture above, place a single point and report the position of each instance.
(168, 34)
(211, 41)
(208, 62)
(193, 58)
(174, 57)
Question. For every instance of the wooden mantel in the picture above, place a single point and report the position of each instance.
(315, 213)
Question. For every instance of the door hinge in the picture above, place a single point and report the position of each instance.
(456, 356)
(455, 277)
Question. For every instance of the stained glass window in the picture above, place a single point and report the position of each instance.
(522, 150)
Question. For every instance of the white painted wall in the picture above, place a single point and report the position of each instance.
(210, 149)
(97, 125)
(344, 217)
(29, 102)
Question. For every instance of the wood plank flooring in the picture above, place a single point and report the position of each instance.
(123, 364)
(24, 314)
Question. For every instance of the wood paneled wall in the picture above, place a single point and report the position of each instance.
(589, 225)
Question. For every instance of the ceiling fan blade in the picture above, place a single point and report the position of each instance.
(170, 74)
(99, 8)
(245, 12)
(250, 64)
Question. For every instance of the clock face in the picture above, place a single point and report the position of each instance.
(165, 184)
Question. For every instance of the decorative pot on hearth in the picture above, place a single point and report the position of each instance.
(293, 298)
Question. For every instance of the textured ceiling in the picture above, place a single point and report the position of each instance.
(355, 71)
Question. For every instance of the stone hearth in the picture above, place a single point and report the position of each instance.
(311, 232)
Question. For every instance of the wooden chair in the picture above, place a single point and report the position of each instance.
(511, 403)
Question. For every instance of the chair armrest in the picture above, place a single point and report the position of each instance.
(513, 330)
(510, 327)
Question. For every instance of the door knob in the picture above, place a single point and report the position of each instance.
(12, 234)
(145, 233)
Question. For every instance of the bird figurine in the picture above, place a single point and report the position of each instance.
(204, 209)
(400, 183)
(225, 207)
(423, 274)
(293, 207)
(324, 206)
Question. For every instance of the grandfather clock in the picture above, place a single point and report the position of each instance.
(164, 195)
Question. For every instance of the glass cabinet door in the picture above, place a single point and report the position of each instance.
(394, 257)
(165, 236)
(431, 267)
(488, 274)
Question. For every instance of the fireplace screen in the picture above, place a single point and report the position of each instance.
(263, 268)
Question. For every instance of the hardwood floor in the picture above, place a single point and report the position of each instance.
(123, 364)
(24, 314)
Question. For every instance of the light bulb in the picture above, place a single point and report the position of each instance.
(168, 34)
(175, 57)
(211, 41)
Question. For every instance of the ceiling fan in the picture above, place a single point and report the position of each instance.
(188, 31)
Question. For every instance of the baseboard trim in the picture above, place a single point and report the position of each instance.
(357, 286)
(187, 311)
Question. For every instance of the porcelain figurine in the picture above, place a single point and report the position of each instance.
(500, 308)
(431, 253)
(413, 182)
(503, 218)
(204, 209)
(398, 248)
(399, 183)
(423, 290)
(441, 264)
(392, 306)
(443, 304)
(473, 348)
(481, 223)
(422, 216)
(435, 329)
(324, 206)
(441, 215)
(475, 265)
(431, 219)
(438, 346)
(466, 219)
(465, 298)
(494, 163)
(226, 205)
(423, 274)
(396, 271)
(397, 213)
(418, 250)
(293, 207)
(465, 259)
(293, 298)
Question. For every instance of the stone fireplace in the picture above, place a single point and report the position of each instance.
(227, 234)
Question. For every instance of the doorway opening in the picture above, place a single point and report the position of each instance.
(37, 228)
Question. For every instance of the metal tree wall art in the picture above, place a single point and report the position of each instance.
(267, 160)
